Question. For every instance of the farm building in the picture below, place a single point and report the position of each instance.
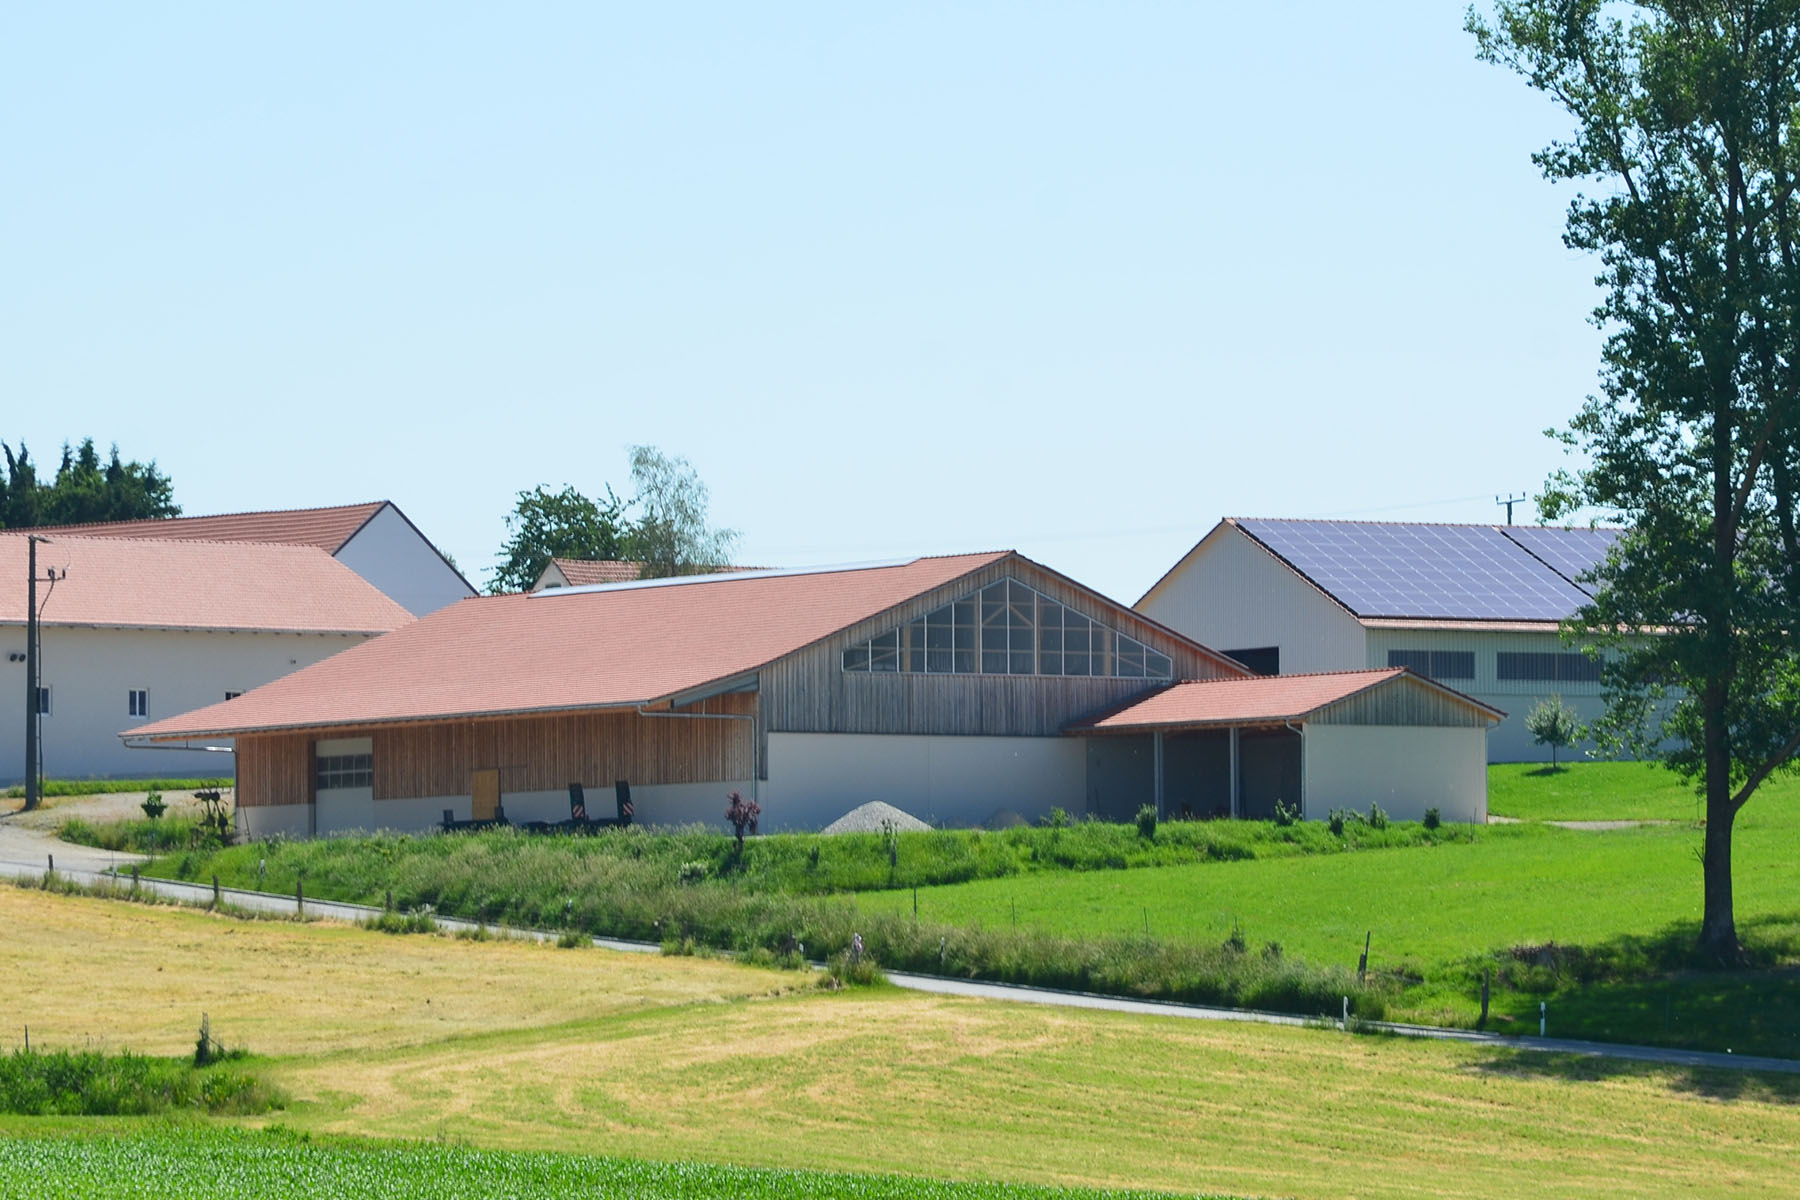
(375, 540)
(132, 630)
(951, 687)
(1475, 607)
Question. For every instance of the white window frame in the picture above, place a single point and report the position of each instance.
(133, 709)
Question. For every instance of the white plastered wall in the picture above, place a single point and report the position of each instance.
(390, 553)
(1406, 769)
(1229, 594)
(90, 671)
(815, 778)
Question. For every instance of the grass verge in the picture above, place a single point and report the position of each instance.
(108, 787)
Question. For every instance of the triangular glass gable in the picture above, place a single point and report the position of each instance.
(1007, 628)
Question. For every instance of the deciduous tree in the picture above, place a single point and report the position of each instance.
(562, 524)
(1685, 118)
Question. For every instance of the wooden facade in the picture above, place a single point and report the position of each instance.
(810, 692)
(697, 743)
(1404, 701)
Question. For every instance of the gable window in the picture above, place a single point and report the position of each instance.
(1007, 628)
(1546, 668)
(137, 702)
(1436, 664)
(232, 695)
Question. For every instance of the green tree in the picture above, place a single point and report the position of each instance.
(564, 524)
(84, 490)
(670, 535)
(1551, 722)
(1686, 136)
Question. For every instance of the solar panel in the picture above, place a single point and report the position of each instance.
(1431, 572)
(1571, 553)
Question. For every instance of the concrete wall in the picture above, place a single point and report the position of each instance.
(392, 555)
(348, 810)
(1230, 594)
(814, 778)
(90, 671)
(1405, 769)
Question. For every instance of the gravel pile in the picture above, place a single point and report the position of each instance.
(867, 818)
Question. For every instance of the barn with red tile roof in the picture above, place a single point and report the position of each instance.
(132, 630)
(952, 687)
(376, 540)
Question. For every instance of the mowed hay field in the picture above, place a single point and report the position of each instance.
(685, 1059)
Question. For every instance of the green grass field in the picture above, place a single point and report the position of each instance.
(1613, 791)
(175, 1162)
(493, 1067)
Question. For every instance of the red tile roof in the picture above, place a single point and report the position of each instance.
(326, 528)
(1264, 699)
(192, 585)
(562, 649)
(581, 572)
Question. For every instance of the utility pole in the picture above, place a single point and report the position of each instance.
(32, 781)
(1509, 502)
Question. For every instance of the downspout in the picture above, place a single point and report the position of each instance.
(1300, 732)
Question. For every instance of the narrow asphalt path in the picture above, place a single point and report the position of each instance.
(84, 869)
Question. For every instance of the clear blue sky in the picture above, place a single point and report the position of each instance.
(1078, 279)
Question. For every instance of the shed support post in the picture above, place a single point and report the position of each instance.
(1156, 755)
(1237, 808)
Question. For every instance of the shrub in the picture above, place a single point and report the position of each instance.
(1433, 818)
(846, 970)
(154, 805)
(1056, 818)
(691, 872)
(419, 920)
(572, 939)
(1378, 818)
(1146, 822)
(1335, 822)
(89, 1083)
(1286, 814)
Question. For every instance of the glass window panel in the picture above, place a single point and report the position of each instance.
(1050, 639)
(938, 616)
(1076, 639)
(887, 641)
(1050, 614)
(1050, 662)
(964, 661)
(937, 637)
(1021, 663)
(994, 593)
(964, 612)
(1158, 665)
(856, 658)
(1021, 641)
(1075, 663)
(993, 662)
(965, 637)
(937, 661)
(915, 659)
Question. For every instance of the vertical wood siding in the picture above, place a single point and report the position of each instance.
(1401, 702)
(810, 692)
(538, 753)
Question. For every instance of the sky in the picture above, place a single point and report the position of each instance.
(1074, 279)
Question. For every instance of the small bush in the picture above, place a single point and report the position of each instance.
(1056, 818)
(1336, 821)
(692, 872)
(845, 971)
(154, 805)
(573, 939)
(1146, 822)
(1286, 814)
(1433, 818)
(1378, 818)
(91, 1084)
(416, 921)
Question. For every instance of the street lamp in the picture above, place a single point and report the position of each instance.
(32, 783)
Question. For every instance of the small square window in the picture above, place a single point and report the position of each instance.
(137, 701)
(232, 695)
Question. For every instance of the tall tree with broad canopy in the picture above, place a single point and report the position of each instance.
(1686, 114)
(670, 535)
(562, 524)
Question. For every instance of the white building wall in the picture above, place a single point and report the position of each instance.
(391, 554)
(1509, 741)
(815, 778)
(90, 671)
(1405, 769)
(1229, 593)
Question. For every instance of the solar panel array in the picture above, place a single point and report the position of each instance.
(1572, 553)
(1433, 572)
